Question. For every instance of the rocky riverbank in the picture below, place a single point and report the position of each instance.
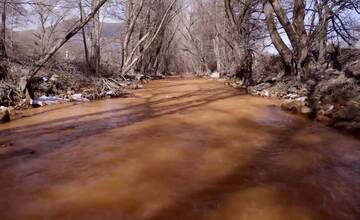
(334, 100)
(330, 96)
(64, 82)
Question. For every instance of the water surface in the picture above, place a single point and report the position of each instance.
(178, 150)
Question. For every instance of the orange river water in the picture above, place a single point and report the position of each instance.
(180, 149)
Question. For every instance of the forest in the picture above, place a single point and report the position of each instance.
(180, 109)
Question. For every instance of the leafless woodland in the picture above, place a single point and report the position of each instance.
(149, 37)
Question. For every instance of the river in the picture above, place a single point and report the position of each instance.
(180, 149)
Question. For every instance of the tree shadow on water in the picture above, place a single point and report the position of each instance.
(321, 187)
(310, 178)
(53, 135)
(197, 95)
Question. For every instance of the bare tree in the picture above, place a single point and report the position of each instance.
(74, 30)
(149, 32)
(83, 32)
(49, 18)
(294, 58)
(133, 13)
(95, 40)
(297, 56)
(3, 30)
(243, 29)
(330, 19)
(3, 54)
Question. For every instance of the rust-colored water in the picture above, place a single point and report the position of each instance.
(178, 150)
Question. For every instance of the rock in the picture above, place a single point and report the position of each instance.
(297, 105)
(135, 86)
(11, 110)
(4, 114)
(46, 100)
(215, 75)
(325, 119)
(252, 91)
(270, 79)
(353, 69)
(114, 94)
(23, 87)
(311, 82)
(262, 86)
(265, 93)
(110, 93)
(233, 84)
(349, 112)
(304, 92)
(78, 98)
(294, 106)
(302, 99)
(305, 110)
(328, 109)
(293, 90)
(159, 76)
(36, 103)
(139, 77)
(237, 84)
(347, 126)
(337, 89)
(70, 92)
(291, 96)
(54, 78)
(355, 102)
(22, 84)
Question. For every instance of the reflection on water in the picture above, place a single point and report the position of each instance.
(180, 149)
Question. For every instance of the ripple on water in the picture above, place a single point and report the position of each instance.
(273, 116)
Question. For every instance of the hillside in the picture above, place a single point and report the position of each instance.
(25, 40)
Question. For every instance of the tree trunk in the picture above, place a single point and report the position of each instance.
(248, 59)
(132, 19)
(216, 42)
(3, 54)
(302, 45)
(95, 50)
(296, 59)
(131, 61)
(240, 23)
(86, 50)
(276, 39)
(323, 13)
